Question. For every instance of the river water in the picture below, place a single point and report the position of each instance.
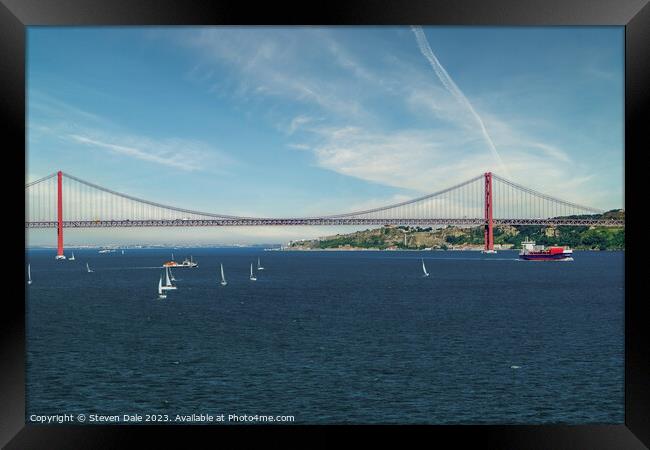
(330, 337)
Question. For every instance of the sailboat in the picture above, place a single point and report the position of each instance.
(161, 293)
(72, 257)
(171, 275)
(223, 277)
(168, 284)
(424, 269)
(88, 268)
(29, 275)
(252, 277)
(259, 266)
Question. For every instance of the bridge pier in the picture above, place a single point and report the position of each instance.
(59, 211)
(489, 224)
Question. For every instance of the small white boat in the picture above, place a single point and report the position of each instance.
(161, 293)
(168, 284)
(424, 269)
(72, 257)
(88, 268)
(60, 257)
(259, 266)
(29, 275)
(223, 277)
(252, 277)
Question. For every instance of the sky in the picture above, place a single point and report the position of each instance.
(303, 121)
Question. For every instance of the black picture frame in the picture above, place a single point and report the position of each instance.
(16, 15)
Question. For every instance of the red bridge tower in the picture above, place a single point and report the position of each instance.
(489, 236)
(59, 210)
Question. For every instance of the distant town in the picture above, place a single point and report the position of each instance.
(471, 238)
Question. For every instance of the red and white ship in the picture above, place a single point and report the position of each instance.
(532, 252)
(186, 263)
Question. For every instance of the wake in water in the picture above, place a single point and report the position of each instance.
(131, 268)
(446, 259)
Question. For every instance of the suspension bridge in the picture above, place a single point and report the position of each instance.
(60, 201)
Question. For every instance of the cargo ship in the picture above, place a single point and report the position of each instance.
(532, 252)
(186, 263)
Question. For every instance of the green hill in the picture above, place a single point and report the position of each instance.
(452, 237)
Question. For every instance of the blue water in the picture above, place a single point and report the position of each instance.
(330, 337)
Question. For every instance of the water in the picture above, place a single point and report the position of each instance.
(330, 337)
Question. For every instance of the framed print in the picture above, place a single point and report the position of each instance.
(301, 221)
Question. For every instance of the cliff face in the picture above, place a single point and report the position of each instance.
(416, 238)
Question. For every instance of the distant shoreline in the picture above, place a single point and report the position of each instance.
(362, 249)
(422, 250)
(294, 249)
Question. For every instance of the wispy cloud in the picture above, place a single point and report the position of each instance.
(178, 154)
(267, 62)
(439, 140)
(60, 120)
(43, 104)
(448, 82)
(420, 160)
(411, 159)
(297, 122)
(299, 146)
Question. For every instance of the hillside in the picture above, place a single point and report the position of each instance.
(451, 237)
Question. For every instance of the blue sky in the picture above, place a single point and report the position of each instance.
(275, 121)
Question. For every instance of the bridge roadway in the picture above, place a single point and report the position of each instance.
(217, 222)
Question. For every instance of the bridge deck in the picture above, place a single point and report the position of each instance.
(317, 221)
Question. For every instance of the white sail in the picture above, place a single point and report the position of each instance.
(171, 275)
(259, 266)
(167, 280)
(168, 284)
(29, 274)
(161, 293)
(223, 277)
(252, 277)
(88, 268)
(424, 269)
(72, 257)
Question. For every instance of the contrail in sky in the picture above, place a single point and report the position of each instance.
(446, 80)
